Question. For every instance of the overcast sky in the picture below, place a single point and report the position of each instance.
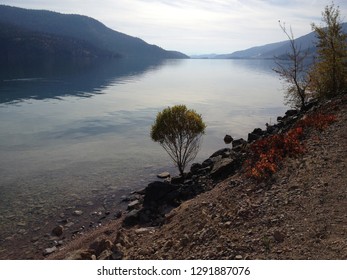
(197, 26)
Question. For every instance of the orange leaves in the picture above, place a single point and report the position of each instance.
(267, 153)
(318, 121)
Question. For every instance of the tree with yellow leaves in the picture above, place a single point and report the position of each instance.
(179, 130)
(329, 72)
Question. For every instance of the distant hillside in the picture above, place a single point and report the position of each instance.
(254, 52)
(63, 31)
(269, 51)
(22, 45)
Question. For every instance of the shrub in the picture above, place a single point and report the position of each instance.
(179, 130)
(266, 154)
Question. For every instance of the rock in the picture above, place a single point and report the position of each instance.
(145, 230)
(185, 240)
(77, 213)
(258, 131)
(134, 204)
(252, 137)
(69, 224)
(207, 163)
(255, 134)
(163, 175)
(238, 257)
(239, 142)
(80, 255)
(131, 218)
(58, 231)
(101, 245)
(291, 113)
(225, 166)
(144, 217)
(177, 180)
(195, 167)
(105, 255)
(118, 214)
(122, 240)
(279, 237)
(157, 192)
(271, 129)
(49, 251)
(228, 139)
(222, 152)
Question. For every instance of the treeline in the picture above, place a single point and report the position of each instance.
(21, 45)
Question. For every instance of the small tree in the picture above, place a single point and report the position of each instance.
(330, 69)
(179, 130)
(293, 68)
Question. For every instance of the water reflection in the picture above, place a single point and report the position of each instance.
(69, 78)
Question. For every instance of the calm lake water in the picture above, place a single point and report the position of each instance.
(71, 134)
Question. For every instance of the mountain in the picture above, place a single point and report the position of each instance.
(254, 52)
(22, 45)
(36, 28)
(269, 51)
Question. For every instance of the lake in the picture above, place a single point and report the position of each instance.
(74, 135)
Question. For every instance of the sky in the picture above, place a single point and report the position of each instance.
(197, 26)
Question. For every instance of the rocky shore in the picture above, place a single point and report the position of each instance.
(216, 212)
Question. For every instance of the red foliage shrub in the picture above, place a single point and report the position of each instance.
(266, 154)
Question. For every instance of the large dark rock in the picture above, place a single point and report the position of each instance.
(291, 113)
(194, 169)
(253, 137)
(177, 180)
(255, 134)
(157, 192)
(271, 129)
(225, 152)
(228, 139)
(225, 167)
(131, 218)
(239, 144)
(207, 163)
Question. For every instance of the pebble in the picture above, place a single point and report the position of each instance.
(69, 224)
(49, 251)
(238, 257)
(77, 212)
(279, 237)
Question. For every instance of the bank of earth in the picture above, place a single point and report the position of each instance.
(219, 213)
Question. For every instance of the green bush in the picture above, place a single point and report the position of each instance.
(179, 130)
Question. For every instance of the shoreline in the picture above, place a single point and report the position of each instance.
(238, 219)
(57, 243)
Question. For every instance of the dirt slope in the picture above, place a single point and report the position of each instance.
(301, 213)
